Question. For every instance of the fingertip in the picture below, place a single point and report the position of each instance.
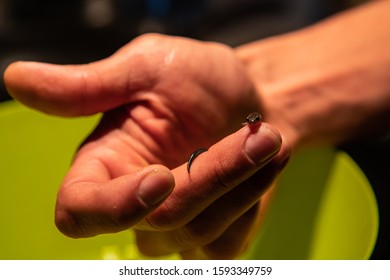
(42, 86)
(10, 76)
(53, 89)
(19, 70)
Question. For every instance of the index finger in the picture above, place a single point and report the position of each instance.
(214, 173)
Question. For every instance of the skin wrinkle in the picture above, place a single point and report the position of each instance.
(120, 140)
(88, 88)
(186, 117)
(218, 249)
(135, 81)
(163, 221)
(126, 126)
(208, 230)
(83, 92)
(161, 121)
(68, 219)
(220, 177)
(133, 160)
(190, 235)
(137, 144)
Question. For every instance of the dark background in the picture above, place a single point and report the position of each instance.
(80, 31)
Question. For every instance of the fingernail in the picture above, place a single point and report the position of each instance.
(263, 144)
(155, 187)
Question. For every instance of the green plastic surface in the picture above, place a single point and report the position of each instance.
(324, 207)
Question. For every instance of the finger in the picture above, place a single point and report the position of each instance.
(216, 222)
(77, 90)
(214, 173)
(89, 202)
(231, 243)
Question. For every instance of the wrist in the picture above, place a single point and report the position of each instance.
(284, 82)
(322, 84)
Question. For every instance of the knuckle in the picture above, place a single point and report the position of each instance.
(236, 236)
(190, 237)
(231, 172)
(198, 234)
(165, 218)
(223, 179)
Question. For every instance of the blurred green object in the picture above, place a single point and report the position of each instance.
(324, 207)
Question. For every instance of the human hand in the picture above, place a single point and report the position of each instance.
(162, 98)
(327, 84)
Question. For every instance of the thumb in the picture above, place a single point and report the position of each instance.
(78, 90)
